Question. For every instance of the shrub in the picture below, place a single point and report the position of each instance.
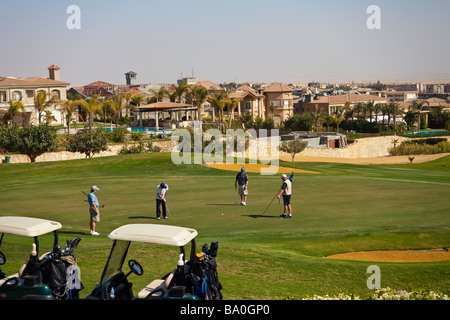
(88, 142)
(32, 140)
(385, 294)
(119, 135)
(416, 148)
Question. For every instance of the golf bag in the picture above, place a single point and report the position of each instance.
(205, 277)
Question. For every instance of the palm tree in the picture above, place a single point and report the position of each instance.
(41, 103)
(199, 97)
(369, 106)
(358, 109)
(232, 104)
(15, 108)
(91, 107)
(272, 109)
(113, 106)
(338, 117)
(69, 107)
(418, 106)
(127, 96)
(180, 90)
(316, 116)
(327, 119)
(393, 109)
(220, 100)
(160, 94)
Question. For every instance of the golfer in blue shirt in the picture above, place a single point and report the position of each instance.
(241, 183)
(94, 210)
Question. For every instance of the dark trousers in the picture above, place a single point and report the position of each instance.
(158, 210)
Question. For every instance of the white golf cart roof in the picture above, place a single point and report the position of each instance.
(156, 234)
(29, 227)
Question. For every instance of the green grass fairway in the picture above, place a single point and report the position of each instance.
(344, 208)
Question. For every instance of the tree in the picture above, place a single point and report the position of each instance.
(370, 108)
(88, 142)
(293, 147)
(41, 103)
(113, 105)
(232, 104)
(316, 116)
(91, 107)
(220, 100)
(327, 119)
(160, 94)
(199, 97)
(418, 107)
(30, 140)
(69, 107)
(16, 108)
(127, 96)
(337, 117)
(180, 90)
(394, 110)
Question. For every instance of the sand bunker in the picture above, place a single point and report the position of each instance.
(419, 255)
(256, 167)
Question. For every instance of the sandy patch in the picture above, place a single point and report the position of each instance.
(254, 167)
(366, 161)
(419, 255)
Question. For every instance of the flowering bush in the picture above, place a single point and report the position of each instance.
(391, 294)
(386, 294)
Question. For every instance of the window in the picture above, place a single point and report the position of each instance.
(286, 103)
(2, 96)
(248, 105)
(275, 103)
(16, 96)
(56, 93)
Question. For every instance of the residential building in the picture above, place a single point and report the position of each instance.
(250, 101)
(329, 104)
(401, 95)
(279, 102)
(26, 90)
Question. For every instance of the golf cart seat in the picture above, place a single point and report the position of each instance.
(2, 281)
(159, 284)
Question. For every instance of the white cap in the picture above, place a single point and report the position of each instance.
(95, 188)
(283, 176)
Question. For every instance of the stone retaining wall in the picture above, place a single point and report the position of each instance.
(113, 150)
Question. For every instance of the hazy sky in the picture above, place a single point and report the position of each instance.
(245, 40)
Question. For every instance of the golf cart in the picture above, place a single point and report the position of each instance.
(51, 276)
(192, 279)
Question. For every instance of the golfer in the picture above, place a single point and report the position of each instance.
(161, 194)
(241, 183)
(285, 190)
(93, 210)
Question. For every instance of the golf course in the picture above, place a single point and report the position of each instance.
(337, 208)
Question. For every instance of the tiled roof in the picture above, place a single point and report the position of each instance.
(278, 87)
(55, 67)
(349, 97)
(208, 85)
(30, 82)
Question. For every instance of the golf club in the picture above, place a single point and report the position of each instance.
(270, 203)
(168, 211)
(100, 206)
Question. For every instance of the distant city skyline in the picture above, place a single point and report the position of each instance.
(291, 41)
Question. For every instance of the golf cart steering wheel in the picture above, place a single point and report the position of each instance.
(135, 267)
(2, 258)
